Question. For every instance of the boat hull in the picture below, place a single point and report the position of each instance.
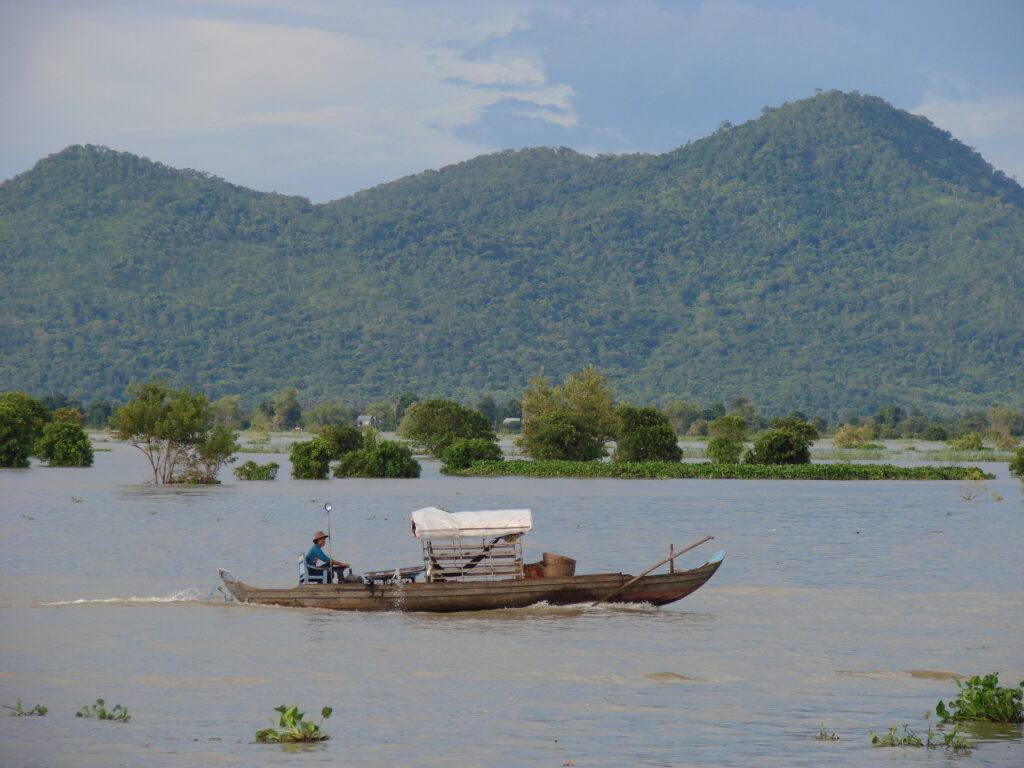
(447, 597)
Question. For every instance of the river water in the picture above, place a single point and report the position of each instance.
(849, 606)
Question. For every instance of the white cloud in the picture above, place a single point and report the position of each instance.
(975, 119)
(994, 125)
(221, 89)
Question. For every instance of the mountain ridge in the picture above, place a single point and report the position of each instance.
(835, 252)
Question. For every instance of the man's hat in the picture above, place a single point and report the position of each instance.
(320, 535)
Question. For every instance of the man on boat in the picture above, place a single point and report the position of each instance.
(318, 561)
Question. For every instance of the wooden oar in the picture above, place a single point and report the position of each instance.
(673, 556)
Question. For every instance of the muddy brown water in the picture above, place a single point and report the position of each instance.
(848, 606)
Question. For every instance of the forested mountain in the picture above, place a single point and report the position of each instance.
(836, 252)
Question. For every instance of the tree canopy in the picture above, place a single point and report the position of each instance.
(433, 425)
(175, 431)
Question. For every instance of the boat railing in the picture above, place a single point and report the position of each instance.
(474, 559)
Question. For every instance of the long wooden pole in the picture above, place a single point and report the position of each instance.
(672, 556)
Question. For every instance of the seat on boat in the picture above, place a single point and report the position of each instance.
(310, 575)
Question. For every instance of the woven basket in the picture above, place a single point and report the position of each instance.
(554, 566)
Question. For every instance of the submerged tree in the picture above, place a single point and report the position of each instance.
(174, 430)
(64, 442)
(644, 434)
(572, 421)
(433, 425)
(21, 425)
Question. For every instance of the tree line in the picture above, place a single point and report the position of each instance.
(188, 439)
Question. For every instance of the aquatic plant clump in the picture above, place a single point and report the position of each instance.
(982, 698)
(99, 711)
(17, 711)
(953, 741)
(293, 728)
(711, 470)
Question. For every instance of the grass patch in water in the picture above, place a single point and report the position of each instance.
(709, 470)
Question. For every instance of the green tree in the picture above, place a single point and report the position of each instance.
(557, 436)
(202, 465)
(64, 442)
(970, 441)
(779, 447)
(336, 414)
(433, 425)
(21, 425)
(732, 428)
(311, 459)
(343, 439)
(1017, 463)
(935, 433)
(586, 410)
(227, 412)
(168, 426)
(287, 410)
(727, 436)
(380, 459)
(463, 452)
(644, 434)
(98, 414)
(721, 450)
(796, 426)
(681, 415)
(788, 442)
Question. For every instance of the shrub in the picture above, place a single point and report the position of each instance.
(343, 439)
(463, 452)
(386, 459)
(645, 434)
(935, 433)
(21, 425)
(1017, 463)
(253, 471)
(970, 441)
(982, 698)
(433, 425)
(64, 442)
(779, 447)
(849, 436)
(721, 450)
(560, 437)
(311, 460)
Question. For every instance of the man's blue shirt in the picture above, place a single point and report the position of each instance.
(316, 553)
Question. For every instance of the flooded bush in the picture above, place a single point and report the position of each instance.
(250, 470)
(464, 452)
(982, 698)
(292, 727)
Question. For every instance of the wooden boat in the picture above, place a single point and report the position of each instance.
(473, 561)
(447, 596)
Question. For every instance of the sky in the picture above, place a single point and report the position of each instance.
(322, 98)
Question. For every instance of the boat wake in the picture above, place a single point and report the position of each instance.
(183, 596)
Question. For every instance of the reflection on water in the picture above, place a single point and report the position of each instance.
(853, 605)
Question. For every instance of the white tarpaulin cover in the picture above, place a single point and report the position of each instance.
(434, 523)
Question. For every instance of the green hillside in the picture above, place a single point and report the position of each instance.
(835, 252)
